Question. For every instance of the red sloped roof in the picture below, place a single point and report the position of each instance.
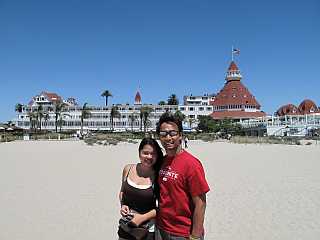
(235, 93)
(288, 109)
(52, 96)
(307, 106)
(236, 114)
(137, 97)
(233, 66)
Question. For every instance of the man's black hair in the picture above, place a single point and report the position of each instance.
(168, 117)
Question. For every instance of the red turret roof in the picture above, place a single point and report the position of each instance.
(234, 100)
(137, 98)
(233, 67)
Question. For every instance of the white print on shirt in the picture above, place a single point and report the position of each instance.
(167, 173)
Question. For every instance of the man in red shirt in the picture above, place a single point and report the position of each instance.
(183, 186)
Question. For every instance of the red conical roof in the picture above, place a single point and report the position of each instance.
(233, 73)
(137, 98)
(235, 100)
(233, 67)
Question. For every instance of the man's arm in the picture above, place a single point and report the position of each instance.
(140, 218)
(198, 215)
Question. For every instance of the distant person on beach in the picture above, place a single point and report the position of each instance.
(138, 194)
(183, 186)
(186, 142)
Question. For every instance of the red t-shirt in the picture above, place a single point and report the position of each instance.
(180, 178)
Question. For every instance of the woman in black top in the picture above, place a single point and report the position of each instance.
(139, 189)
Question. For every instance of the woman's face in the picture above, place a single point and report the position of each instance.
(148, 156)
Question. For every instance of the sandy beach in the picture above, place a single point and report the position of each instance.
(68, 190)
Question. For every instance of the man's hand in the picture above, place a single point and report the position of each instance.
(138, 219)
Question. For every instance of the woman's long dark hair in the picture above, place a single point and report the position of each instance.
(152, 142)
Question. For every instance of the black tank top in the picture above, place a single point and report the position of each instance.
(140, 200)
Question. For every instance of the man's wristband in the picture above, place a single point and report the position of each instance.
(191, 237)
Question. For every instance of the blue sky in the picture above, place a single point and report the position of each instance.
(80, 48)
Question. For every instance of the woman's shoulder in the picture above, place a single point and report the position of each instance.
(127, 168)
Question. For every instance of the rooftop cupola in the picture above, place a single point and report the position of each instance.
(233, 73)
(137, 99)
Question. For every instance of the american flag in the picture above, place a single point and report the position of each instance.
(236, 51)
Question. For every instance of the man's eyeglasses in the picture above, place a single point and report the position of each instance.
(171, 133)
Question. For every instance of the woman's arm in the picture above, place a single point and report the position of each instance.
(124, 209)
(124, 175)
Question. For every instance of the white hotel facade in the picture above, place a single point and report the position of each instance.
(99, 118)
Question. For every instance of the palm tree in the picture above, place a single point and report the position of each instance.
(144, 116)
(85, 113)
(61, 119)
(106, 94)
(46, 118)
(33, 118)
(113, 114)
(180, 115)
(19, 107)
(40, 115)
(191, 121)
(132, 118)
(58, 108)
(162, 102)
(173, 100)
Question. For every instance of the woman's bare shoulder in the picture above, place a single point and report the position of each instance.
(126, 169)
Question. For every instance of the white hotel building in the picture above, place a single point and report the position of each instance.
(99, 118)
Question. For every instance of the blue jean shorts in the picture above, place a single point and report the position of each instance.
(163, 235)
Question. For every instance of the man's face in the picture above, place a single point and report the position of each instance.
(170, 136)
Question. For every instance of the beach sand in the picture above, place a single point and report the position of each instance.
(68, 190)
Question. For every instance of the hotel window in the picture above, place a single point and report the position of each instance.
(182, 108)
(191, 109)
(201, 108)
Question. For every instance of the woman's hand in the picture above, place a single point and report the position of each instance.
(124, 211)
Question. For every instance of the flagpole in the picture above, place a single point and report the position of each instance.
(232, 53)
